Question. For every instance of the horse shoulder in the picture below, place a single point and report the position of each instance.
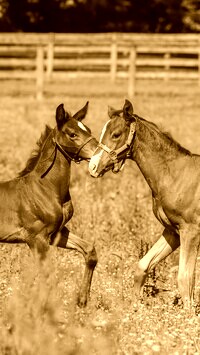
(50, 207)
(9, 196)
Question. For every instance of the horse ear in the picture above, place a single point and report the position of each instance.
(61, 116)
(111, 111)
(128, 111)
(80, 115)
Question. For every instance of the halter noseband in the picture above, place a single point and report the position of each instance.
(67, 156)
(117, 154)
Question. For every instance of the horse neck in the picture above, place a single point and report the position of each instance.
(155, 153)
(59, 174)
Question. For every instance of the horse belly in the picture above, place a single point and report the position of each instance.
(12, 234)
(9, 222)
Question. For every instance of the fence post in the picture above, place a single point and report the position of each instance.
(50, 56)
(39, 72)
(132, 72)
(113, 59)
(199, 63)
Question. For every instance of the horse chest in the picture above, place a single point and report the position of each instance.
(62, 216)
(67, 210)
(160, 213)
(42, 212)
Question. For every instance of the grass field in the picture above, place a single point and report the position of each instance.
(38, 312)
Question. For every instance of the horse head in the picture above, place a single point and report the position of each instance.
(72, 137)
(115, 141)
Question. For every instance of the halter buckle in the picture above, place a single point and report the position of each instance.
(113, 154)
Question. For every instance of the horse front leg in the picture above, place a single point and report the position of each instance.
(165, 245)
(39, 244)
(68, 240)
(190, 241)
(89, 252)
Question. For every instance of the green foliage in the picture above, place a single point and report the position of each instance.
(192, 15)
(99, 15)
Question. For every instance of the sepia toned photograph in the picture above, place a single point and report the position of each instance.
(100, 177)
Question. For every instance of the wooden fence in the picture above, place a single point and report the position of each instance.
(48, 57)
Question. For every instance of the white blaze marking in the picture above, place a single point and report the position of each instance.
(94, 161)
(81, 125)
(103, 131)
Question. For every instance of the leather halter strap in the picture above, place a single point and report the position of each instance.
(125, 148)
(67, 156)
(74, 158)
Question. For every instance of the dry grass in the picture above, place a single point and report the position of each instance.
(38, 310)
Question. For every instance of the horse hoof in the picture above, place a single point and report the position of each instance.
(82, 302)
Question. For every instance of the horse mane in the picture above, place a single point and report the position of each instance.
(35, 155)
(167, 136)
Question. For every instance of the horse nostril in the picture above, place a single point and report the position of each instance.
(93, 167)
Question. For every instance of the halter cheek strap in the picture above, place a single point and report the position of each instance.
(114, 154)
(64, 153)
(51, 166)
(74, 158)
(68, 157)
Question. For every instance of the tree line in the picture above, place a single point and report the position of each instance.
(154, 16)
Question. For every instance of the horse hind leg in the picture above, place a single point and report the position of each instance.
(68, 240)
(165, 245)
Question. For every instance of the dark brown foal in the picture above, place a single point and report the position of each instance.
(36, 205)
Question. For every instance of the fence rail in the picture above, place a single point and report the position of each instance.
(131, 56)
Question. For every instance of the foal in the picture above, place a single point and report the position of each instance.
(173, 174)
(36, 205)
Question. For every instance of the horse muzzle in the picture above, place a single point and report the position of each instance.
(93, 170)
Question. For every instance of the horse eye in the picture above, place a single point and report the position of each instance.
(72, 135)
(116, 135)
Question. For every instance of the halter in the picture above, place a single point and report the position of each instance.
(75, 158)
(68, 157)
(116, 155)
